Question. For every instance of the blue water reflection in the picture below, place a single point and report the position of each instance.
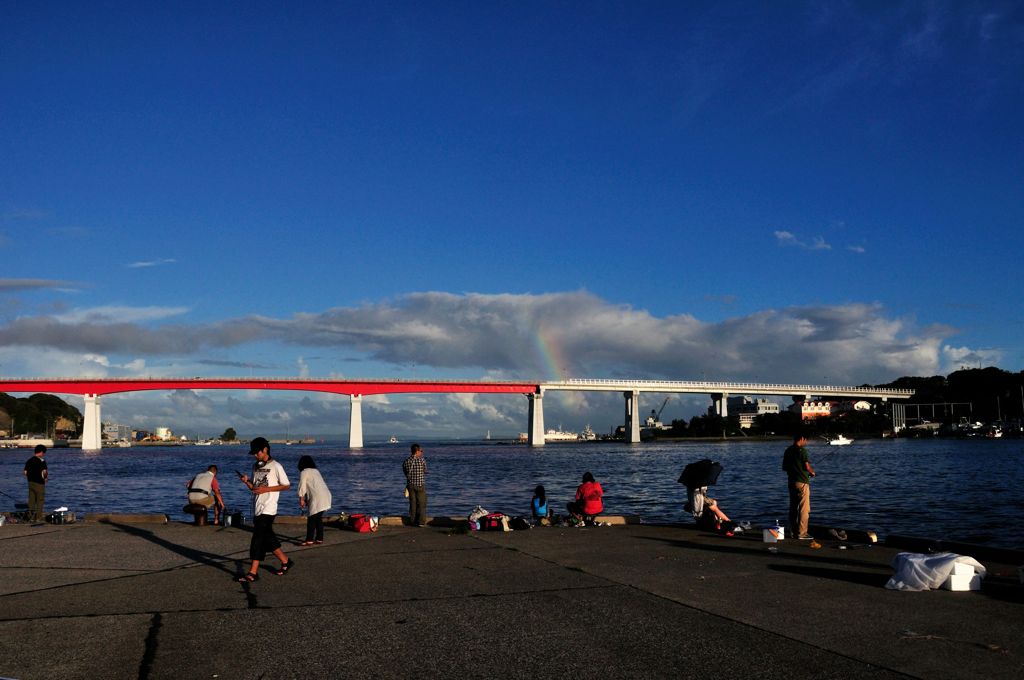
(957, 489)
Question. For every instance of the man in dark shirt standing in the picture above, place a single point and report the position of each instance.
(37, 474)
(797, 465)
(415, 469)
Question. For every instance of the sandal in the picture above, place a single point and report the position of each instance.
(319, 542)
(285, 567)
(307, 543)
(248, 578)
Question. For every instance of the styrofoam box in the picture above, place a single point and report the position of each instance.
(962, 568)
(963, 582)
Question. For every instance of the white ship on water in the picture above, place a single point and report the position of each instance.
(560, 436)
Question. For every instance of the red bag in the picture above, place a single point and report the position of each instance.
(362, 523)
(495, 521)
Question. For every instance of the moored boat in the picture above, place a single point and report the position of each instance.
(560, 436)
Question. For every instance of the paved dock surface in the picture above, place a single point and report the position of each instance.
(118, 600)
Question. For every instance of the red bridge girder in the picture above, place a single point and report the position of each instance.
(364, 387)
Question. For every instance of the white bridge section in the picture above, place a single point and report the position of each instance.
(719, 392)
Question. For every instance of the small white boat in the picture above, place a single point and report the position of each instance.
(839, 440)
(393, 439)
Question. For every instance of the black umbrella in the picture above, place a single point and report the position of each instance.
(702, 473)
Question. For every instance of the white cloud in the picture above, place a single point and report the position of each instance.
(31, 284)
(150, 263)
(113, 314)
(955, 358)
(529, 337)
(856, 249)
(788, 238)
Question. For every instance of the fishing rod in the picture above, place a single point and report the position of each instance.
(18, 505)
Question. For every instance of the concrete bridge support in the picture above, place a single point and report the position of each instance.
(536, 431)
(721, 403)
(92, 431)
(632, 433)
(355, 421)
(899, 417)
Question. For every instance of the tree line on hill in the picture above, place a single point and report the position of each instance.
(38, 414)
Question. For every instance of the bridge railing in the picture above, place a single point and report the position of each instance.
(722, 386)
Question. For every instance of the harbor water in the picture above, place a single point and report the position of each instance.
(964, 490)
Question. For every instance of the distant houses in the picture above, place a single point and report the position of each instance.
(809, 410)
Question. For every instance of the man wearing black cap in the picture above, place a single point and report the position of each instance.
(37, 474)
(268, 481)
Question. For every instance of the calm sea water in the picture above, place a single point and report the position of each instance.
(967, 490)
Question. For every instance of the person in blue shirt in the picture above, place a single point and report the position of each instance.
(539, 506)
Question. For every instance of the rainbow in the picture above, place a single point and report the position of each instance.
(553, 363)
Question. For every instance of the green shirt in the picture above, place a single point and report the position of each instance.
(794, 462)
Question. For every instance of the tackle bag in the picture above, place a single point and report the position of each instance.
(702, 473)
(362, 523)
(495, 521)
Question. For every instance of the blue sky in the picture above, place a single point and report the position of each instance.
(755, 191)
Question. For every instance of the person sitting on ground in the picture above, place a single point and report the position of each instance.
(204, 490)
(707, 512)
(588, 501)
(539, 507)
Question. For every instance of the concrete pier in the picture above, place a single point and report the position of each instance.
(125, 600)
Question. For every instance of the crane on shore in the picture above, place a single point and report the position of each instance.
(654, 420)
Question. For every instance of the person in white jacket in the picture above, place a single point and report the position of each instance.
(315, 497)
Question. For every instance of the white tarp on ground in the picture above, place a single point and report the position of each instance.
(916, 571)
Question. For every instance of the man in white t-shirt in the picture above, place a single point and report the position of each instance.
(268, 481)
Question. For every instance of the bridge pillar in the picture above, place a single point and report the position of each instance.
(632, 433)
(355, 421)
(899, 417)
(721, 402)
(92, 436)
(536, 431)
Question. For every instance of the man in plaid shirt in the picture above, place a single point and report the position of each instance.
(415, 469)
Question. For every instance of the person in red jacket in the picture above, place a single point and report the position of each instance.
(588, 500)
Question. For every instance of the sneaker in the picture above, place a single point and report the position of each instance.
(805, 537)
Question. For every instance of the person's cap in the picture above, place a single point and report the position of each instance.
(257, 445)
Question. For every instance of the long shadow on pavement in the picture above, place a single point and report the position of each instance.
(199, 556)
(858, 577)
(737, 549)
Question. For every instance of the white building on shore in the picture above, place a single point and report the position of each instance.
(116, 431)
(749, 408)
